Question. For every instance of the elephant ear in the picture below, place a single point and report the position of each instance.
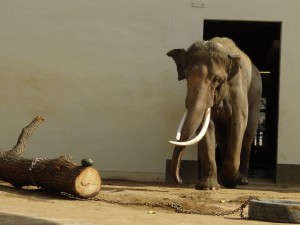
(178, 56)
(234, 66)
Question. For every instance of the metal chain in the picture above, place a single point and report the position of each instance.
(177, 207)
(244, 205)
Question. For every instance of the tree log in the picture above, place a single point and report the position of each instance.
(59, 175)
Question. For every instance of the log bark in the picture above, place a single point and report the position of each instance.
(60, 175)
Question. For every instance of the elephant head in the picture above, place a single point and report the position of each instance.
(208, 68)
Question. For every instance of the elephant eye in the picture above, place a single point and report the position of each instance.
(217, 81)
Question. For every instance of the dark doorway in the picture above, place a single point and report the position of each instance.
(261, 42)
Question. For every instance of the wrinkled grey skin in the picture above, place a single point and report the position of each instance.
(219, 75)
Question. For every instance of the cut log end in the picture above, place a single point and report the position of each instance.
(88, 183)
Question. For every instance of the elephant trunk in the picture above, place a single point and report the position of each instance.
(190, 125)
(175, 165)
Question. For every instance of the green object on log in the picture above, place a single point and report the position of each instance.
(87, 162)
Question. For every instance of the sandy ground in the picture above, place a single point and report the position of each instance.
(36, 206)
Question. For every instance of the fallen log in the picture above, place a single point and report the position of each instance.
(59, 175)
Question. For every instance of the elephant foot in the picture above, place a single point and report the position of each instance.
(229, 181)
(243, 180)
(210, 184)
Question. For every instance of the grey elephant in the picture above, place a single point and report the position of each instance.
(222, 108)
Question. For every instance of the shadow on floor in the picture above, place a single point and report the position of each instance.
(13, 219)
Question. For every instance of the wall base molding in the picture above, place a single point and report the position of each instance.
(288, 175)
(133, 176)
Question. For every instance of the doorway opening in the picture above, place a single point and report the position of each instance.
(261, 42)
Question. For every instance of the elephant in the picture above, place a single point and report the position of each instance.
(222, 103)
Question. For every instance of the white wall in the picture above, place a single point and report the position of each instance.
(97, 71)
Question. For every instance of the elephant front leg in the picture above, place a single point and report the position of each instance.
(206, 154)
(230, 172)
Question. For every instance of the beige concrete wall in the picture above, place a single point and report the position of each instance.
(98, 72)
(95, 70)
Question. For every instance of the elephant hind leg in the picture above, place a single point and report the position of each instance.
(249, 135)
(244, 164)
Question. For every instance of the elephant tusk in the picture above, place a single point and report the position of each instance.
(178, 134)
(201, 133)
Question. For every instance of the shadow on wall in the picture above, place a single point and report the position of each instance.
(19, 219)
